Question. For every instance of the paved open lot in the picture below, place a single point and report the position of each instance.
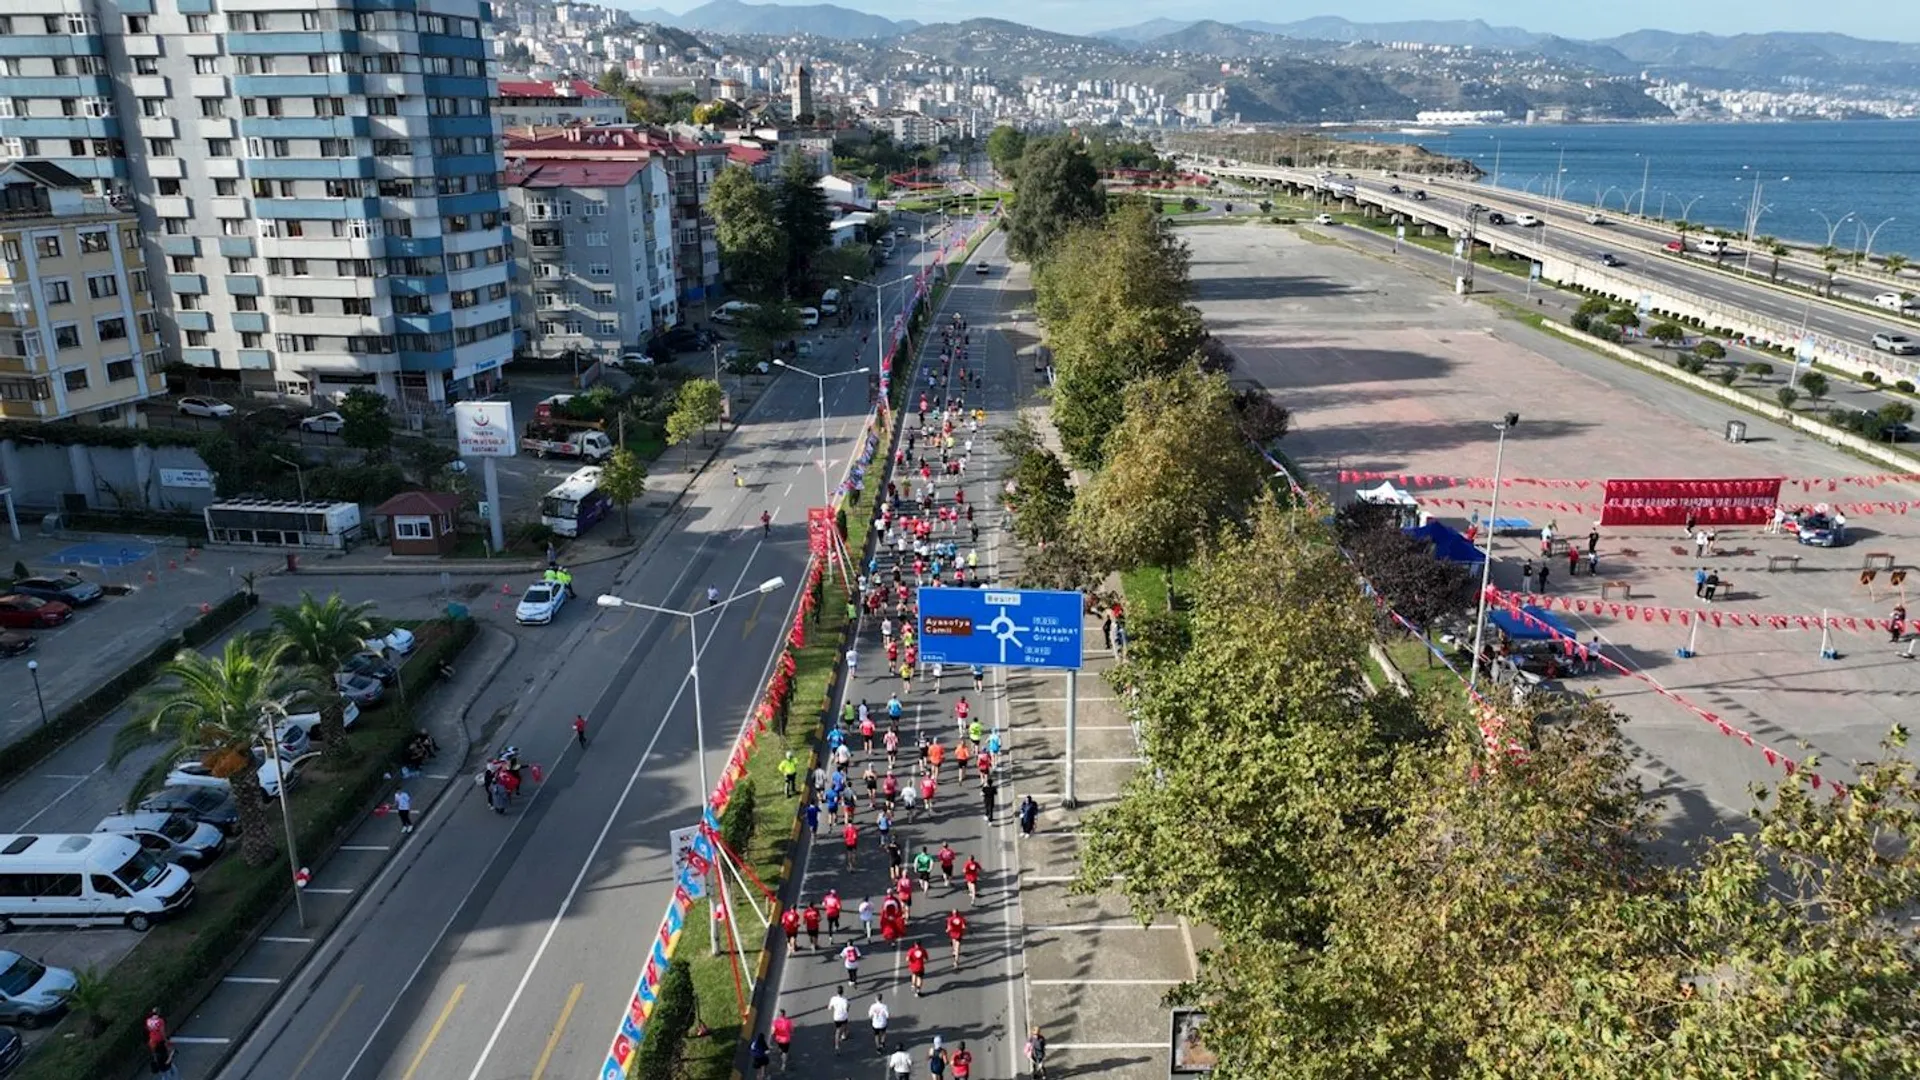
(1386, 371)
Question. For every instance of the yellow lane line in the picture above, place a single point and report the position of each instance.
(433, 1032)
(332, 1022)
(553, 1040)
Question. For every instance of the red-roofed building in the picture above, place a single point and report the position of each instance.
(593, 253)
(563, 101)
(691, 167)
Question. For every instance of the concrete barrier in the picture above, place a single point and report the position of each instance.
(1826, 433)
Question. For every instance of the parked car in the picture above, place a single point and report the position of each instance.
(22, 612)
(1897, 344)
(204, 406)
(373, 666)
(361, 689)
(192, 772)
(540, 604)
(1324, 219)
(326, 423)
(638, 359)
(31, 993)
(174, 837)
(213, 805)
(13, 1050)
(308, 723)
(14, 642)
(1816, 529)
(399, 641)
(68, 588)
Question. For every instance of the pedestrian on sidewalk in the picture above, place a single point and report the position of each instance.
(1540, 577)
(161, 1062)
(1701, 541)
(1693, 519)
(1573, 561)
(156, 1029)
(403, 805)
(1526, 573)
(1593, 540)
(1713, 585)
(1029, 813)
(497, 796)
(790, 774)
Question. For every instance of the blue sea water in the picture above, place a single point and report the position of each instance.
(1867, 168)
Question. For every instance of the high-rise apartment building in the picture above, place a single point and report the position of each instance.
(78, 335)
(317, 180)
(593, 252)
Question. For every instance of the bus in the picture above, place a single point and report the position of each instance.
(576, 504)
(278, 523)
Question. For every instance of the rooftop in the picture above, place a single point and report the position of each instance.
(574, 174)
(559, 88)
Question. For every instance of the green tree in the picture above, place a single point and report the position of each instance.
(718, 111)
(1057, 188)
(1712, 350)
(695, 406)
(1668, 332)
(320, 636)
(1041, 489)
(766, 328)
(832, 265)
(367, 424)
(1623, 316)
(211, 709)
(1814, 385)
(806, 219)
(1177, 470)
(624, 479)
(753, 248)
(1005, 145)
(1894, 263)
(1896, 412)
(1786, 396)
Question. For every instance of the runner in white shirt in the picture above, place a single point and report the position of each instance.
(900, 1065)
(878, 1014)
(837, 1008)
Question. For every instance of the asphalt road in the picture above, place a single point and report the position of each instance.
(981, 1000)
(497, 947)
(1565, 234)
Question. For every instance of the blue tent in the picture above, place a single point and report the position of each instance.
(1448, 545)
(1531, 624)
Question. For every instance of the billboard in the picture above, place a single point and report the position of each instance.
(1744, 501)
(1191, 1057)
(1001, 627)
(484, 428)
(820, 529)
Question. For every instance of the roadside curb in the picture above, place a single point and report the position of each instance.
(482, 635)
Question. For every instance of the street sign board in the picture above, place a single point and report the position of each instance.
(484, 429)
(1001, 627)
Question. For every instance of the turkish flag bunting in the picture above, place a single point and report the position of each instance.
(1772, 758)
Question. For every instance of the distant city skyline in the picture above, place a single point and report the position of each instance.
(1853, 17)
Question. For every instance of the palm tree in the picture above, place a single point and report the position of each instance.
(320, 636)
(1683, 227)
(1894, 263)
(211, 708)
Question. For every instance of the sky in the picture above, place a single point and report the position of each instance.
(1898, 21)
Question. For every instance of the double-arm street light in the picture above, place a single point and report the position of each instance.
(826, 493)
(608, 600)
(272, 715)
(1506, 424)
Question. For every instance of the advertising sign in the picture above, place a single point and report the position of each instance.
(484, 428)
(1746, 501)
(186, 478)
(1191, 1057)
(819, 529)
(1001, 627)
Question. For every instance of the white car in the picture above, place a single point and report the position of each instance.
(809, 317)
(192, 772)
(326, 423)
(540, 604)
(1324, 219)
(305, 727)
(1596, 219)
(174, 837)
(1526, 221)
(639, 358)
(1897, 344)
(1893, 301)
(204, 406)
(981, 269)
(399, 642)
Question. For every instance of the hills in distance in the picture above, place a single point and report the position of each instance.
(1828, 57)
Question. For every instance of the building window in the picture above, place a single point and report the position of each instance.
(246, 303)
(251, 340)
(149, 322)
(220, 148)
(10, 250)
(76, 379)
(206, 65)
(196, 338)
(233, 226)
(66, 336)
(240, 265)
(137, 281)
(182, 264)
(119, 370)
(102, 286)
(174, 226)
(47, 246)
(213, 108)
(113, 328)
(146, 65)
(603, 297)
(196, 24)
(356, 305)
(596, 239)
(94, 242)
(598, 270)
(159, 147)
(57, 292)
(610, 326)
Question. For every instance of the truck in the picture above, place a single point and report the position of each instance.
(551, 439)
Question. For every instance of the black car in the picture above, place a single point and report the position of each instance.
(213, 805)
(1496, 218)
(1420, 196)
(68, 588)
(15, 642)
(372, 667)
(13, 1050)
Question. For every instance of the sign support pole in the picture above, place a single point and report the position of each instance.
(492, 477)
(1073, 722)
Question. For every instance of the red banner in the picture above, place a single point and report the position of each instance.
(819, 528)
(1672, 502)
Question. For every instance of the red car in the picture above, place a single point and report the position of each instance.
(1676, 247)
(31, 612)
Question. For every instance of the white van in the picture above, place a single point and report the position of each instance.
(830, 302)
(1712, 245)
(1901, 302)
(87, 879)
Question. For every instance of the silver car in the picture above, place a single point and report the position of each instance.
(361, 689)
(31, 993)
(174, 837)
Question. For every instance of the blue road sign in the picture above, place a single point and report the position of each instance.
(1001, 627)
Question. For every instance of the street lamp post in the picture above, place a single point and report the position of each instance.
(299, 475)
(1867, 256)
(1754, 209)
(272, 727)
(826, 496)
(1505, 425)
(608, 600)
(1833, 224)
(33, 669)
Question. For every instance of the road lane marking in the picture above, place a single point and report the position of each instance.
(1047, 928)
(55, 801)
(325, 1032)
(288, 940)
(201, 1040)
(753, 617)
(433, 1033)
(317, 891)
(365, 847)
(251, 980)
(560, 1025)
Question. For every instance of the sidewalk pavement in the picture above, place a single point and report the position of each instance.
(254, 977)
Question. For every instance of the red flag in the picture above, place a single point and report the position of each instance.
(1772, 758)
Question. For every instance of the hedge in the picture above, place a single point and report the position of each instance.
(68, 434)
(179, 963)
(30, 749)
(675, 1012)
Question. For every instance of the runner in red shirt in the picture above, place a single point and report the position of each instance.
(812, 917)
(892, 926)
(790, 925)
(917, 966)
(946, 857)
(962, 1063)
(851, 837)
(831, 905)
(904, 890)
(971, 872)
(985, 764)
(927, 786)
(783, 1035)
(956, 931)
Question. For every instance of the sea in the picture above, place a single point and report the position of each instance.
(1850, 179)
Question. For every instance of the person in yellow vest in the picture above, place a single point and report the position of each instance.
(790, 772)
(565, 580)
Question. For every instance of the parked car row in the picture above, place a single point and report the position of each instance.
(43, 602)
(285, 417)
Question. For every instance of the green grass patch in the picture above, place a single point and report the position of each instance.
(1146, 587)
(1422, 670)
